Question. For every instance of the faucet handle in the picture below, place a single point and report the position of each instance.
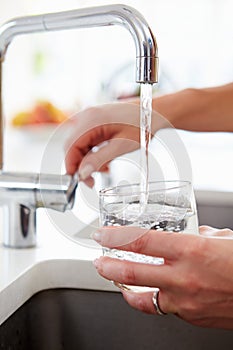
(56, 191)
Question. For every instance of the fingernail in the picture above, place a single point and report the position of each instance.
(86, 171)
(96, 263)
(96, 236)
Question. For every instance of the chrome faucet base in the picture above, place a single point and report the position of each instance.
(21, 194)
(19, 226)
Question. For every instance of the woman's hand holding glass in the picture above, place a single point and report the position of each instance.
(195, 281)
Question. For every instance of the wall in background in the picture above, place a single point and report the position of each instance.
(71, 68)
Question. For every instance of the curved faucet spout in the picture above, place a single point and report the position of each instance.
(126, 16)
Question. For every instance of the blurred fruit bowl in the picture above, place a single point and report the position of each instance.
(41, 121)
(43, 112)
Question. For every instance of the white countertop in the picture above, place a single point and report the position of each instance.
(56, 262)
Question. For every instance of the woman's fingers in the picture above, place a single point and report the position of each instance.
(119, 237)
(207, 230)
(90, 152)
(149, 242)
(101, 155)
(96, 125)
(215, 232)
(82, 143)
(90, 181)
(140, 301)
(132, 273)
(143, 302)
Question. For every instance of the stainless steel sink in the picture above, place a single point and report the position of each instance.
(59, 319)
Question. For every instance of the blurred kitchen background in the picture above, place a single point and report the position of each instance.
(75, 69)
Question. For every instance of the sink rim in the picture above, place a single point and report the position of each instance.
(50, 274)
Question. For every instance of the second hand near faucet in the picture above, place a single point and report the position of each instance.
(22, 193)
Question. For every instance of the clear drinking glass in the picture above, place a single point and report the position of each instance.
(167, 206)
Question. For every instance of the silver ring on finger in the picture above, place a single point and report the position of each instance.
(155, 300)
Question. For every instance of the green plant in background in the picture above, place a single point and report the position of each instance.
(38, 62)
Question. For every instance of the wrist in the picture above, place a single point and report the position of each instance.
(180, 109)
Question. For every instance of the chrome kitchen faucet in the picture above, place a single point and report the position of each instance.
(22, 193)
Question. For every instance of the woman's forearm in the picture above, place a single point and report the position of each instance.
(209, 109)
